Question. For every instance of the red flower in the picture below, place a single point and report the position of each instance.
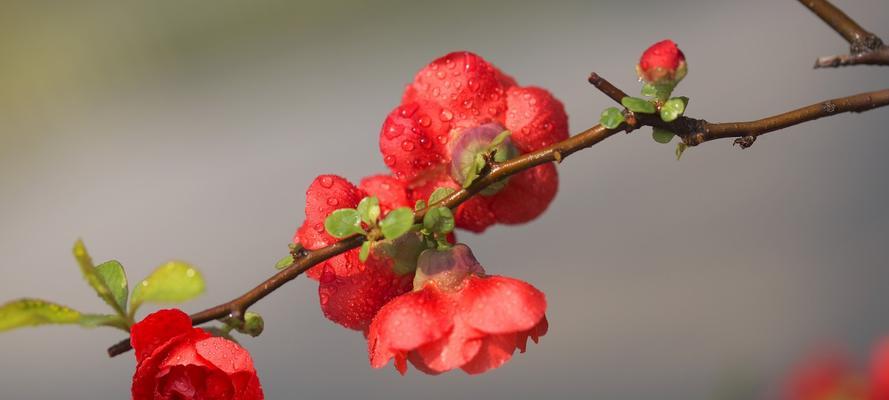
(444, 119)
(176, 361)
(351, 292)
(456, 317)
(663, 62)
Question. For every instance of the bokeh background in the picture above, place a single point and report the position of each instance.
(161, 130)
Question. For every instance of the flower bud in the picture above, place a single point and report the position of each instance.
(446, 268)
(662, 63)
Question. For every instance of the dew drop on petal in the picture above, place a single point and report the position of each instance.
(327, 182)
(332, 201)
(424, 121)
(446, 115)
(407, 145)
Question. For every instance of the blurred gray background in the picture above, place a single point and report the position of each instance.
(190, 130)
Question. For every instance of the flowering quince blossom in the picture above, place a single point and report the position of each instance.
(351, 292)
(456, 317)
(175, 361)
(446, 118)
(663, 62)
(829, 376)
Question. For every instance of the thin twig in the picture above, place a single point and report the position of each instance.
(865, 48)
(692, 130)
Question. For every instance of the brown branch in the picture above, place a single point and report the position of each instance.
(865, 48)
(692, 130)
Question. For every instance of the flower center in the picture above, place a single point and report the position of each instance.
(470, 149)
(446, 268)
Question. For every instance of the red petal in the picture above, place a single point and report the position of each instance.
(326, 194)
(408, 322)
(391, 192)
(819, 377)
(177, 351)
(156, 329)
(353, 299)
(535, 117)
(412, 139)
(475, 214)
(449, 352)
(880, 371)
(534, 333)
(497, 304)
(663, 54)
(495, 351)
(235, 361)
(526, 196)
(468, 89)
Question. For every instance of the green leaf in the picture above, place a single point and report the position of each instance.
(440, 194)
(284, 262)
(658, 91)
(173, 282)
(369, 210)
(500, 138)
(680, 148)
(115, 278)
(439, 220)
(661, 135)
(364, 252)
(94, 279)
(32, 312)
(673, 108)
(344, 222)
(638, 105)
(611, 118)
(420, 205)
(397, 222)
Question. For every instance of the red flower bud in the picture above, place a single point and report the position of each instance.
(176, 361)
(663, 62)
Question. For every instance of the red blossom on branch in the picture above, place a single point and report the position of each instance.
(176, 361)
(456, 317)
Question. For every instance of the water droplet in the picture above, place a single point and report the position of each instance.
(425, 121)
(408, 110)
(442, 139)
(441, 74)
(332, 201)
(532, 101)
(394, 131)
(425, 142)
(407, 145)
(446, 115)
(324, 298)
(473, 84)
(467, 103)
(492, 110)
(319, 227)
(436, 91)
(327, 182)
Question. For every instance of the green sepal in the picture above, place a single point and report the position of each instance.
(611, 118)
(638, 105)
(369, 210)
(673, 108)
(403, 251)
(660, 91)
(343, 223)
(397, 222)
(478, 164)
(662, 135)
(500, 138)
(419, 205)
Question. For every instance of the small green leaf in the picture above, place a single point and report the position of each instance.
(369, 209)
(658, 91)
(343, 223)
(420, 205)
(32, 312)
(673, 108)
(365, 251)
(611, 118)
(638, 105)
(500, 138)
(680, 148)
(284, 262)
(94, 279)
(173, 282)
(397, 222)
(661, 135)
(475, 168)
(115, 278)
(440, 194)
(439, 220)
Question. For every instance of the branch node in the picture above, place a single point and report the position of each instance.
(745, 141)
